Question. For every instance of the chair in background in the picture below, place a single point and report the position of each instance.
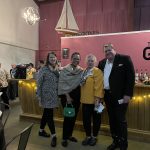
(24, 136)
(4, 112)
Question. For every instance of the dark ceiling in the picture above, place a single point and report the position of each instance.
(38, 2)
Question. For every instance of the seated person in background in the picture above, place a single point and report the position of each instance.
(4, 84)
(30, 71)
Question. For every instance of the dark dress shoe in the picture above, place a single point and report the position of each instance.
(113, 146)
(93, 141)
(7, 107)
(64, 143)
(72, 139)
(123, 148)
(86, 141)
(44, 134)
(54, 141)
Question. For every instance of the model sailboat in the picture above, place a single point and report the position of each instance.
(67, 24)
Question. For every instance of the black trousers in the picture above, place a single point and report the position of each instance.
(13, 89)
(117, 119)
(89, 114)
(4, 96)
(69, 122)
(2, 137)
(47, 118)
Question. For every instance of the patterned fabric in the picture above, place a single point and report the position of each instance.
(69, 79)
(3, 77)
(93, 87)
(85, 74)
(47, 84)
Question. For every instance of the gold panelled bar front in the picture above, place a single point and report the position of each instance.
(138, 115)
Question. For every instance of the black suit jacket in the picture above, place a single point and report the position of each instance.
(122, 76)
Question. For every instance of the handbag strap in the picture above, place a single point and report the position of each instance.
(70, 104)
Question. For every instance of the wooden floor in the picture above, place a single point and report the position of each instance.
(14, 125)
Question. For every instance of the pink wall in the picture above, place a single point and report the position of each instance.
(104, 16)
(126, 43)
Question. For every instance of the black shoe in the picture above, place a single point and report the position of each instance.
(123, 144)
(44, 134)
(7, 107)
(72, 139)
(93, 141)
(123, 148)
(86, 141)
(64, 143)
(54, 141)
(113, 146)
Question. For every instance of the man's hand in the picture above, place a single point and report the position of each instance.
(126, 99)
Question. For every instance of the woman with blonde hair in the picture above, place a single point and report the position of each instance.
(91, 97)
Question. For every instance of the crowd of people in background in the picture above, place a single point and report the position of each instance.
(112, 81)
(8, 84)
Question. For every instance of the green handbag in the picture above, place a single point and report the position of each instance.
(69, 111)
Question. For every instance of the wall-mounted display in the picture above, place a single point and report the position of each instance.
(65, 53)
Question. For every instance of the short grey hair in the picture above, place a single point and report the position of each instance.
(91, 56)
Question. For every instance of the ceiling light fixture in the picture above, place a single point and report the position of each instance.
(31, 15)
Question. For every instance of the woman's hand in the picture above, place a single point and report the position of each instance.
(69, 99)
(97, 100)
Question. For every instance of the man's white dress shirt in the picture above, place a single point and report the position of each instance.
(107, 71)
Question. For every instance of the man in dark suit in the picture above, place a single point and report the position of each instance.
(119, 78)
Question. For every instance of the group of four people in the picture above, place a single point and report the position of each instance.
(112, 80)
